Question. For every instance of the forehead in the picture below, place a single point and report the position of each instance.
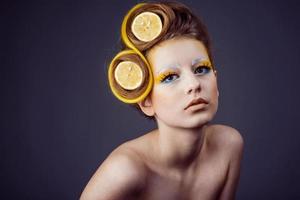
(176, 52)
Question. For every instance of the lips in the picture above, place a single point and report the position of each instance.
(196, 102)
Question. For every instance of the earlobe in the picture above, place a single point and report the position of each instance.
(146, 106)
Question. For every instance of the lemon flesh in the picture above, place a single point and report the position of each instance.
(146, 26)
(128, 75)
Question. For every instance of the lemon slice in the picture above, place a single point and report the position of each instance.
(146, 26)
(128, 75)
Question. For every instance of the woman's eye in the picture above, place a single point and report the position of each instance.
(202, 70)
(169, 78)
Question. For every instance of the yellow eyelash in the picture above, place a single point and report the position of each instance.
(161, 77)
(205, 63)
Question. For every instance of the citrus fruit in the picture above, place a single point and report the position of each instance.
(146, 26)
(128, 75)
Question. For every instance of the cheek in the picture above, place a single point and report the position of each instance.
(163, 100)
(213, 90)
(212, 96)
(215, 94)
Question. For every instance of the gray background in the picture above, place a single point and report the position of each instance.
(59, 119)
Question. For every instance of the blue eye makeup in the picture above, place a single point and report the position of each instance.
(201, 68)
(167, 77)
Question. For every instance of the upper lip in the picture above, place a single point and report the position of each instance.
(196, 101)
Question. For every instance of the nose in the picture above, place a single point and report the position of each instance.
(193, 85)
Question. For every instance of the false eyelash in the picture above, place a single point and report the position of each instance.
(205, 64)
(208, 67)
(163, 76)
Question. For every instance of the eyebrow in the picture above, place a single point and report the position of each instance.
(170, 67)
(197, 60)
(176, 66)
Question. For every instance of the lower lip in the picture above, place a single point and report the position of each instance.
(196, 107)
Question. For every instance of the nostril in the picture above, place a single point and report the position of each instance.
(194, 87)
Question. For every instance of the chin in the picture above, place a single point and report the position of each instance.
(195, 120)
(197, 123)
(200, 119)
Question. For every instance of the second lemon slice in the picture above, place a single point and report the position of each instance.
(146, 26)
(128, 75)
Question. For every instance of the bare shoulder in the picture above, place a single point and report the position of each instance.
(119, 176)
(229, 144)
(225, 137)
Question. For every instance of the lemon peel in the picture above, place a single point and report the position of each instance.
(132, 50)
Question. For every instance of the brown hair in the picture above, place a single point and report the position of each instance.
(178, 20)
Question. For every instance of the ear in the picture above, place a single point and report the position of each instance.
(146, 106)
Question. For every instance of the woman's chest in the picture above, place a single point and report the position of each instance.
(205, 184)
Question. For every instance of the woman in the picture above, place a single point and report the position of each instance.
(166, 70)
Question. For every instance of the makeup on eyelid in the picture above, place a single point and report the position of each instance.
(174, 70)
(163, 75)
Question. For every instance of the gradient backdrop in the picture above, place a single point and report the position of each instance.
(60, 120)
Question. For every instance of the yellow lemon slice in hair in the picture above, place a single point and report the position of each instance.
(146, 26)
(128, 75)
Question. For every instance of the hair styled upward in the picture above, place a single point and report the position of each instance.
(177, 20)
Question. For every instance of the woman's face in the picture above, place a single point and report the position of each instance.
(181, 76)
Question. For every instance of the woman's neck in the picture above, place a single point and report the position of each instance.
(179, 147)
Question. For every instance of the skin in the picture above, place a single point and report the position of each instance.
(186, 157)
